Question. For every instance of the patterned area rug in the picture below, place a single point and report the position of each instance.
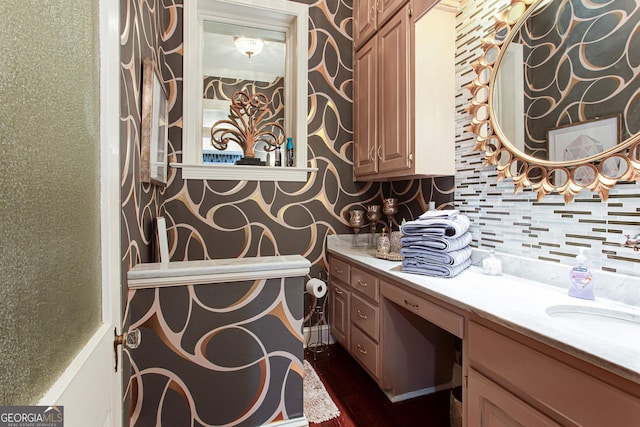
(318, 406)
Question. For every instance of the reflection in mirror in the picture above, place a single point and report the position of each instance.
(584, 175)
(571, 62)
(564, 68)
(614, 167)
(228, 69)
(216, 65)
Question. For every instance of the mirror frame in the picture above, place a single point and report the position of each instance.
(500, 152)
(279, 15)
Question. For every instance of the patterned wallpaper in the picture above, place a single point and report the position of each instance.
(517, 223)
(219, 219)
(221, 354)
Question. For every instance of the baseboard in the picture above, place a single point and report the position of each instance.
(422, 392)
(321, 334)
(295, 422)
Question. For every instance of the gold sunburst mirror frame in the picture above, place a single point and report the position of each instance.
(543, 176)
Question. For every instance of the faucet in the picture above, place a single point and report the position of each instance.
(632, 242)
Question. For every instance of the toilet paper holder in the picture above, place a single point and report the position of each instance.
(317, 333)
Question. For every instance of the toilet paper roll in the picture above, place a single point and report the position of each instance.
(317, 288)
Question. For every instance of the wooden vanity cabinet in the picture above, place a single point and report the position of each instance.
(515, 380)
(404, 94)
(339, 300)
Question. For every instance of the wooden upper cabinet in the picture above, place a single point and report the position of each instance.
(364, 21)
(404, 92)
(370, 15)
(365, 72)
(393, 96)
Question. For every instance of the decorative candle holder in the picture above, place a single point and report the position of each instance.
(373, 215)
(390, 208)
(356, 221)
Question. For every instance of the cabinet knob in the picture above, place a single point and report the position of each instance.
(338, 270)
(372, 153)
(338, 291)
(372, 14)
(380, 6)
(361, 350)
(362, 316)
(363, 284)
(380, 152)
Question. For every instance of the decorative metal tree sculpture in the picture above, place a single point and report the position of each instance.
(247, 126)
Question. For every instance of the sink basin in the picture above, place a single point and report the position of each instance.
(610, 324)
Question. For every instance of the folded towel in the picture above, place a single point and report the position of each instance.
(438, 243)
(446, 214)
(413, 265)
(437, 226)
(446, 258)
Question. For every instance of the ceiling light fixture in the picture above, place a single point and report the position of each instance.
(249, 46)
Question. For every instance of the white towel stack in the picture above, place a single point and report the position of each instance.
(436, 244)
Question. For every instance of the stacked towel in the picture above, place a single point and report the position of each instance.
(436, 244)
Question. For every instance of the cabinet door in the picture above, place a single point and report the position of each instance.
(394, 98)
(339, 301)
(386, 9)
(364, 21)
(365, 133)
(492, 406)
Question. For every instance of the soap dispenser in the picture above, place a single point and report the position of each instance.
(581, 279)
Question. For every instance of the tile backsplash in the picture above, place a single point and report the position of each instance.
(518, 223)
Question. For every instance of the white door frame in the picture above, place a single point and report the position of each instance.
(89, 389)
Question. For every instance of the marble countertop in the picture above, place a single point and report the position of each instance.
(520, 304)
(150, 275)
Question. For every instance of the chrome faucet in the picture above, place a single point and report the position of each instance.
(632, 242)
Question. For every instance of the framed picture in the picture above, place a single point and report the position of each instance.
(583, 140)
(153, 155)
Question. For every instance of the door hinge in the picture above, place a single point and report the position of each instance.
(466, 381)
(410, 157)
(410, 12)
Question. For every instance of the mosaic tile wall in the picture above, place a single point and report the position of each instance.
(517, 223)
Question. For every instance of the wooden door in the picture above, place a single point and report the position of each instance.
(489, 405)
(339, 314)
(90, 389)
(365, 111)
(387, 8)
(394, 97)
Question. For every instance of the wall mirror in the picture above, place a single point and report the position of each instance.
(556, 99)
(252, 45)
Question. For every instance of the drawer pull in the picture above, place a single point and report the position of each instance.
(363, 284)
(338, 270)
(338, 291)
(362, 316)
(415, 306)
(361, 350)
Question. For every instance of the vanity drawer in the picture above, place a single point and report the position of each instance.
(439, 316)
(365, 283)
(366, 351)
(365, 316)
(339, 269)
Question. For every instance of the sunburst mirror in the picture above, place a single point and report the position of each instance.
(556, 100)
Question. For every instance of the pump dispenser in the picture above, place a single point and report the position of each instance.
(581, 279)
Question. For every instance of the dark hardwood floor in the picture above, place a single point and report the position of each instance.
(363, 404)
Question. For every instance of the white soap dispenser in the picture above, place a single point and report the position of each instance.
(581, 279)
